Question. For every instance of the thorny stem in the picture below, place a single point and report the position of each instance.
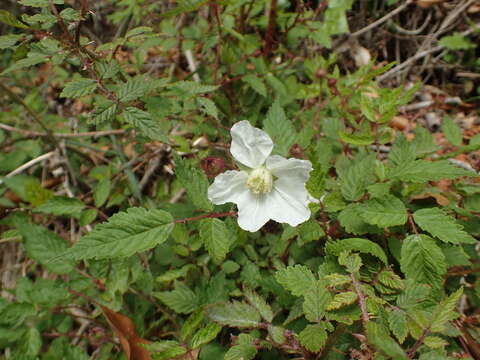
(272, 17)
(83, 13)
(206, 216)
(419, 343)
(361, 299)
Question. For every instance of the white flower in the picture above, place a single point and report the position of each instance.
(270, 187)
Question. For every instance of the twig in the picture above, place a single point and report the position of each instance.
(192, 65)
(382, 19)
(420, 55)
(62, 135)
(361, 299)
(36, 118)
(29, 164)
(205, 216)
(83, 13)
(272, 18)
(419, 343)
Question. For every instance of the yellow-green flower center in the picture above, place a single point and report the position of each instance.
(260, 181)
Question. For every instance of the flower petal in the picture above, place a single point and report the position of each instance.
(288, 201)
(253, 211)
(250, 146)
(228, 187)
(290, 168)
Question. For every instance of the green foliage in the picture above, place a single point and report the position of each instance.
(116, 121)
(442, 226)
(235, 314)
(79, 87)
(281, 130)
(422, 260)
(385, 212)
(126, 233)
(313, 337)
(61, 206)
(216, 238)
(194, 181)
(296, 279)
(356, 244)
(456, 42)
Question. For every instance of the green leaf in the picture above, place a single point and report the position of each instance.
(205, 335)
(41, 245)
(79, 87)
(444, 311)
(61, 206)
(342, 299)
(297, 279)
(423, 142)
(31, 343)
(317, 297)
(207, 106)
(140, 30)
(390, 279)
(193, 88)
(352, 262)
(87, 216)
(423, 171)
(166, 349)
(107, 70)
(133, 89)
(125, 234)
(241, 352)
(351, 220)
(356, 177)
(194, 181)
(7, 41)
(310, 231)
(356, 244)
(442, 226)
(313, 337)
(397, 320)
(9, 19)
(402, 151)
(422, 260)
(182, 300)
(260, 304)
(144, 122)
(31, 60)
(216, 237)
(39, 3)
(256, 84)
(413, 295)
(379, 337)
(435, 342)
(452, 131)
(279, 128)
(104, 112)
(385, 212)
(456, 42)
(356, 139)
(277, 333)
(101, 192)
(234, 314)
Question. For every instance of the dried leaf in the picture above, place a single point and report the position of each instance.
(125, 330)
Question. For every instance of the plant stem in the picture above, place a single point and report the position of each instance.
(206, 216)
